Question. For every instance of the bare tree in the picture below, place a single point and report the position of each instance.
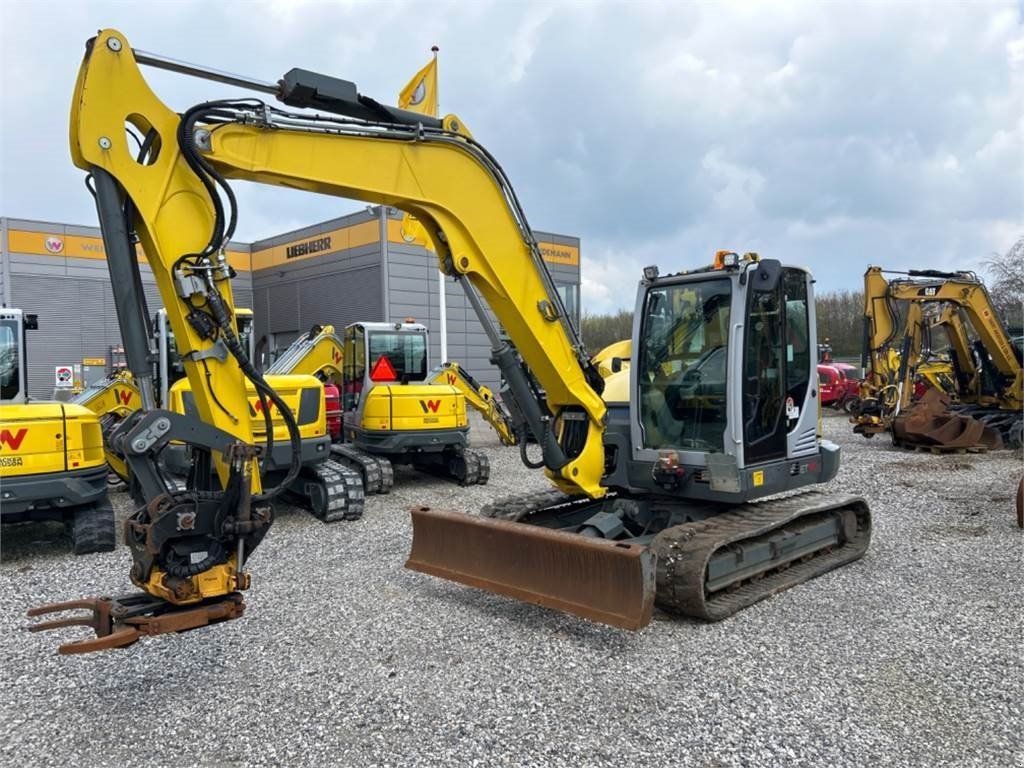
(841, 321)
(1006, 285)
(599, 331)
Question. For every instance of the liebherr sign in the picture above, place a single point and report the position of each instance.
(308, 247)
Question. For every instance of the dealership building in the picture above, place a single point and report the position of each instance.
(345, 270)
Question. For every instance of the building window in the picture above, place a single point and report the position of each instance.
(570, 293)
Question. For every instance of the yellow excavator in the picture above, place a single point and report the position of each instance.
(51, 453)
(393, 410)
(652, 499)
(987, 370)
(331, 492)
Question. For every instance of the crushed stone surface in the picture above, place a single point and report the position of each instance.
(913, 655)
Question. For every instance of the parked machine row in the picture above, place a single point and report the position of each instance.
(972, 396)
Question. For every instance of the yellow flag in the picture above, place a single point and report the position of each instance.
(419, 95)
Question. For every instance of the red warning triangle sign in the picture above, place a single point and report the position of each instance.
(383, 370)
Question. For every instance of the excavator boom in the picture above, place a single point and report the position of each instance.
(173, 196)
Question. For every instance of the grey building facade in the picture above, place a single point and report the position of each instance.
(353, 268)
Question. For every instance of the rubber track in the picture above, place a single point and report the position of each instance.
(378, 474)
(343, 487)
(93, 528)
(684, 552)
(515, 508)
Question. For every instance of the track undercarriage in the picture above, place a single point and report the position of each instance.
(702, 560)
(464, 466)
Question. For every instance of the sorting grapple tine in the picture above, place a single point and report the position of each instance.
(120, 621)
(600, 580)
(119, 638)
(108, 634)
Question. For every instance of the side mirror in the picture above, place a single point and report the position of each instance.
(766, 278)
(616, 364)
(31, 322)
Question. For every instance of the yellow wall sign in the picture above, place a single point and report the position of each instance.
(82, 247)
(94, 361)
(555, 253)
(318, 245)
(758, 478)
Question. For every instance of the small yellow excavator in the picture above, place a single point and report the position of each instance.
(393, 413)
(660, 497)
(331, 492)
(389, 416)
(51, 454)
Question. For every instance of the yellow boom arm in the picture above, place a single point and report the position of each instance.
(440, 175)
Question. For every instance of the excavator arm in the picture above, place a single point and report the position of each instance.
(479, 397)
(318, 352)
(961, 299)
(432, 169)
(113, 400)
(172, 196)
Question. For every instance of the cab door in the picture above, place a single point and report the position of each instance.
(776, 363)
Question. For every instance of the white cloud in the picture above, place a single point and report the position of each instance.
(832, 135)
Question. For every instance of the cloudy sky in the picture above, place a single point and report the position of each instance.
(833, 135)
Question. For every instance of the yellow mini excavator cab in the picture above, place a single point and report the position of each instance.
(51, 454)
(392, 413)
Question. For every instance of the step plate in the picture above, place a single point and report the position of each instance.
(603, 581)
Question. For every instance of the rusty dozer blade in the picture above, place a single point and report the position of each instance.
(120, 621)
(930, 423)
(596, 579)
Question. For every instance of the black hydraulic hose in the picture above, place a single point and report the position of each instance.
(220, 314)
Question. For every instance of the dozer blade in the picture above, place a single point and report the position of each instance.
(596, 579)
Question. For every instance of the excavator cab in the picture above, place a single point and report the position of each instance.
(721, 410)
(393, 414)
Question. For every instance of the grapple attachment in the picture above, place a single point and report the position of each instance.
(596, 579)
(120, 621)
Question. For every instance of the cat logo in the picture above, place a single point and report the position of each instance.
(430, 406)
(13, 440)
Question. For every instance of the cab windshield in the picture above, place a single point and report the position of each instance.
(10, 380)
(405, 353)
(684, 340)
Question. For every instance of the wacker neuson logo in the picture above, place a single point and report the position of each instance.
(308, 247)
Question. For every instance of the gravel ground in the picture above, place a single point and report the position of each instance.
(911, 656)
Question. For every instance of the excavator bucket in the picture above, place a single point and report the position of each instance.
(595, 579)
(930, 423)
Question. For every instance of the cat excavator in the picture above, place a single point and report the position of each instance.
(651, 499)
(986, 366)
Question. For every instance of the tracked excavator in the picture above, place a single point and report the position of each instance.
(330, 492)
(392, 409)
(51, 453)
(987, 370)
(650, 499)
